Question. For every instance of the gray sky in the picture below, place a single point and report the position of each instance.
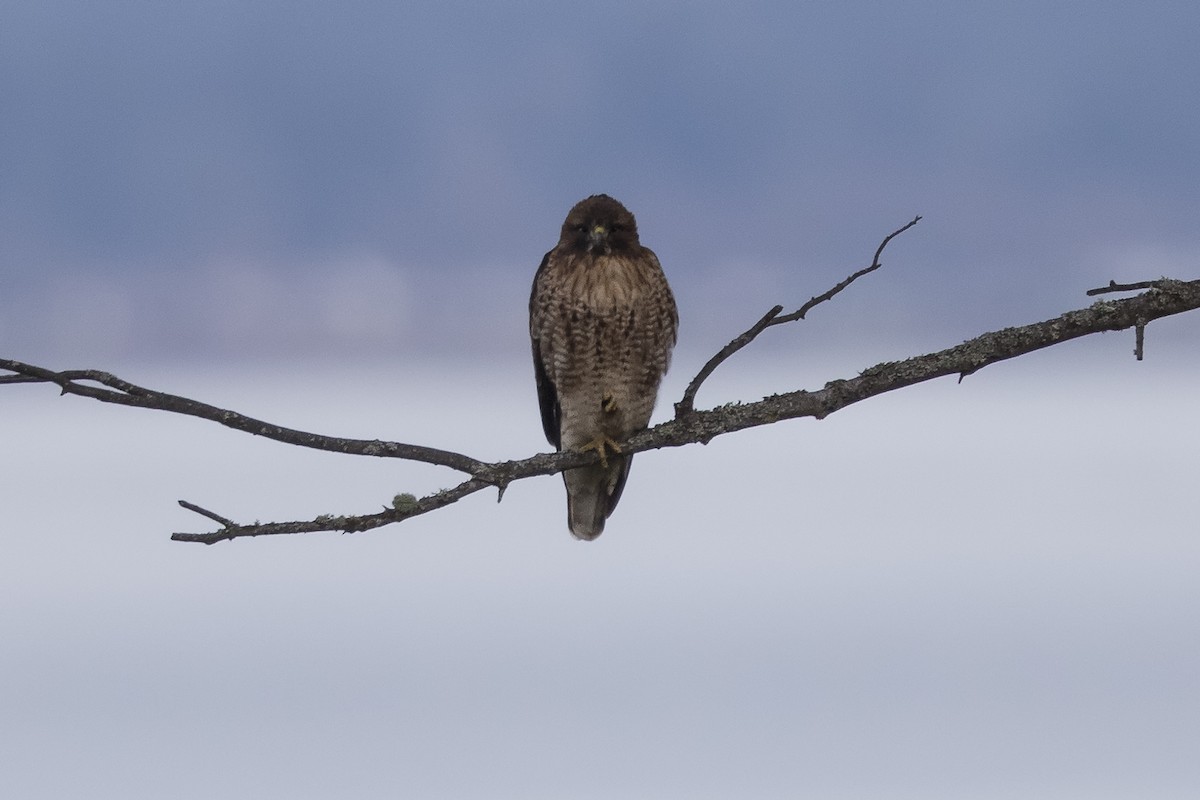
(329, 216)
(224, 179)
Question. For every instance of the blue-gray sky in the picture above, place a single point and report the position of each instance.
(212, 179)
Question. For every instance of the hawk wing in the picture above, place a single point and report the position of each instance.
(547, 394)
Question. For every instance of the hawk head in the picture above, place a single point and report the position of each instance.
(599, 225)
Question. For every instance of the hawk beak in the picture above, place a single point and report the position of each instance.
(597, 236)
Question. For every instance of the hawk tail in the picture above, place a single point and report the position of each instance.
(592, 494)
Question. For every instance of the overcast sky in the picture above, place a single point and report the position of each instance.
(222, 179)
(982, 590)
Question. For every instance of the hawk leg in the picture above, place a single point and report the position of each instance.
(608, 404)
(600, 444)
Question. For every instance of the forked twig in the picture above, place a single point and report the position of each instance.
(687, 403)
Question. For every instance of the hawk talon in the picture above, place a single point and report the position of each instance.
(608, 404)
(600, 444)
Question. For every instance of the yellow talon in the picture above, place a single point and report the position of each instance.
(600, 444)
(608, 404)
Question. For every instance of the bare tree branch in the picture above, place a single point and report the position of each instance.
(1168, 298)
(687, 404)
(1165, 298)
(403, 507)
(115, 390)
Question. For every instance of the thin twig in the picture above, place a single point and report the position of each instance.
(829, 295)
(204, 512)
(329, 522)
(686, 404)
(1113, 286)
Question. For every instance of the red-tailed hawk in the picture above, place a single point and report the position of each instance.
(603, 323)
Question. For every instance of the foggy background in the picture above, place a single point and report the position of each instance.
(329, 216)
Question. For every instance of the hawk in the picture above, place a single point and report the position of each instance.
(603, 322)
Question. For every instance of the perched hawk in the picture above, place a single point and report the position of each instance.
(603, 322)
